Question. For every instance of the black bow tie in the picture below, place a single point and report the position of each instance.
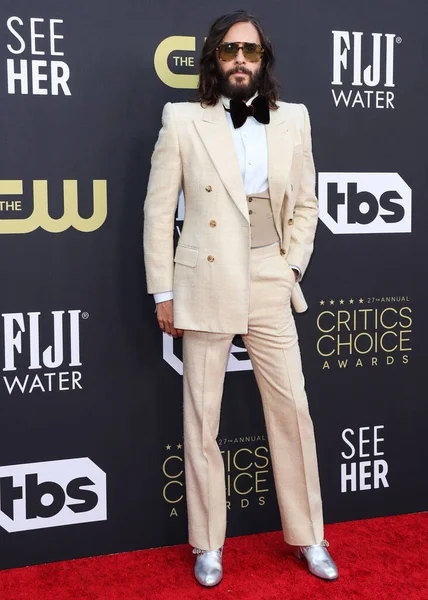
(239, 111)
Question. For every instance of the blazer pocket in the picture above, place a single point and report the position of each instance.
(186, 255)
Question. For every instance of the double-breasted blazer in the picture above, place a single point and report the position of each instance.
(209, 271)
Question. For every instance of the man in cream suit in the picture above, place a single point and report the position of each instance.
(244, 162)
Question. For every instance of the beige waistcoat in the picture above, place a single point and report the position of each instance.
(263, 230)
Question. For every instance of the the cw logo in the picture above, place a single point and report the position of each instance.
(166, 47)
(40, 216)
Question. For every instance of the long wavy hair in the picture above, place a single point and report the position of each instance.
(208, 87)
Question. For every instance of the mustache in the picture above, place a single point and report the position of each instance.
(239, 69)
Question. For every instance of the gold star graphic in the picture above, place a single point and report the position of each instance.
(322, 302)
(331, 302)
(351, 301)
(168, 447)
(179, 446)
(361, 300)
(342, 301)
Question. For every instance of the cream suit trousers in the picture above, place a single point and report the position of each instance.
(272, 345)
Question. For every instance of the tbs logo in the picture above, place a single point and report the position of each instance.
(49, 494)
(365, 202)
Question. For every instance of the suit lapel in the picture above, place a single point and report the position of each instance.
(216, 136)
(280, 154)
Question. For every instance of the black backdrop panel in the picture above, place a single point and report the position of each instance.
(91, 451)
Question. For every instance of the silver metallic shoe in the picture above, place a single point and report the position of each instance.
(318, 560)
(208, 567)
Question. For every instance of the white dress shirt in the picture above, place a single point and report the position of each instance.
(251, 148)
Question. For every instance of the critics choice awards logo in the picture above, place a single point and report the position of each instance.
(363, 69)
(42, 352)
(248, 476)
(364, 332)
(50, 494)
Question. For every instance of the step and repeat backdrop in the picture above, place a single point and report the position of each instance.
(91, 446)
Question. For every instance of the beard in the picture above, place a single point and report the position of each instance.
(238, 91)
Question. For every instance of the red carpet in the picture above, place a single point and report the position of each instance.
(378, 559)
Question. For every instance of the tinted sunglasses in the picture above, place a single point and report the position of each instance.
(229, 51)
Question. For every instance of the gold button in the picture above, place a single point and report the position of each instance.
(213, 223)
(250, 212)
(210, 258)
(208, 188)
(282, 252)
(290, 221)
